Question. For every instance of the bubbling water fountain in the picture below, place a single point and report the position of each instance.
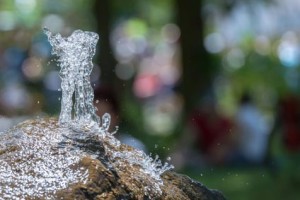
(76, 157)
(75, 55)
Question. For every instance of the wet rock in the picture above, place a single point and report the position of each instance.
(40, 160)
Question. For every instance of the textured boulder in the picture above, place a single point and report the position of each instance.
(41, 160)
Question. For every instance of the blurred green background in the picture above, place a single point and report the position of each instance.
(173, 73)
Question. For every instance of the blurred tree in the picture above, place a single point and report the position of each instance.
(197, 68)
(102, 10)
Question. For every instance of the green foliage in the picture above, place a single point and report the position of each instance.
(278, 180)
(249, 183)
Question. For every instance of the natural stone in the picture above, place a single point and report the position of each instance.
(58, 163)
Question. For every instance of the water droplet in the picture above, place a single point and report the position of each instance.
(106, 121)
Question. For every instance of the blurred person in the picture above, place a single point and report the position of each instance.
(105, 101)
(211, 133)
(287, 126)
(252, 133)
(8, 122)
(5, 122)
(288, 121)
(16, 105)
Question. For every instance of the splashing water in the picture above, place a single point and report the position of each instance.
(75, 59)
(32, 164)
(40, 157)
(75, 55)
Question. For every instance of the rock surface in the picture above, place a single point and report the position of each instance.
(40, 160)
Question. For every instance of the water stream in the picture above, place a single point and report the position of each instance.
(40, 157)
(75, 55)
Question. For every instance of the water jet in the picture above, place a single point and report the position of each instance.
(76, 157)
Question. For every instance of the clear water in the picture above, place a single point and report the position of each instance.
(44, 155)
(75, 54)
(35, 166)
